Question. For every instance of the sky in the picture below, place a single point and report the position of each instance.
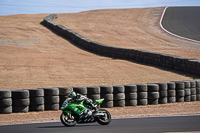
(12, 7)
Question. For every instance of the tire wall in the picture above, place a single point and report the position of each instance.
(20, 101)
(173, 62)
(16, 101)
(51, 98)
(36, 100)
(119, 96)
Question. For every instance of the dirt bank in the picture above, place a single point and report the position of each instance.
(31, 56)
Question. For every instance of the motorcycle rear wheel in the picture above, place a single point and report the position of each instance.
(104, 120)
(68, 121)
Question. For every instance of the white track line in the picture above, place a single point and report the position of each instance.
(160, 24)
(153, 116)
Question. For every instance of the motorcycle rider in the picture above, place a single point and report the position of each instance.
(79, 98)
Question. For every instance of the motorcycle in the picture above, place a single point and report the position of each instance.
(72, 113)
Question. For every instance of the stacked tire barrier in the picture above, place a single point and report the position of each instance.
(119, 96)
(163, 93)
(23, 101)
(93, 92)
(187, 91)
(5, 102)
(107, 94)
(82, 90)
(193, 90)
(51, 98)
(131, 95)
(173, 62)
(171, 92)
(20, 101)
(63, 93)
(180, 92)
(142, 94)
(198, 90)
(36, 100)
(153, 94)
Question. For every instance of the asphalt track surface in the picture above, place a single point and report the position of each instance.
(183, 21)
(125, 125)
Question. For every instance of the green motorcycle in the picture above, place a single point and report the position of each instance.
(72, 113)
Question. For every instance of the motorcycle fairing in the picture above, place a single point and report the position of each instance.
(77, 108)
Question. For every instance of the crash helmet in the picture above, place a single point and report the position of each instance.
(72, 94)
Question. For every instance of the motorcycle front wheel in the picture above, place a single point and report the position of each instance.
(69, 121)
(106, 119)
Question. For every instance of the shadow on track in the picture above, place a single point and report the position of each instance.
(81, 125)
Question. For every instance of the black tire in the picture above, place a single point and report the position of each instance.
(20, 102)
(163, 93)
(192, 83)
(50, 91)
(153, 95)
(51, 106)
(179, 85)
(193, 97)
(162, 86)
(81, 90)
(179, 99)
(51, 99)
(106, 89)
(153, 87)
(36, 100)
(104, 121)
(152, 101)
(107, 97)
(131, 102)
(171, 86)
(69, 122)
(130, 88)
(36, 107)
(187, 98)
(180, 93)
(63, 98)
(198, 90)
(20, 94)
(64, 91)
(36, 92)
(119, 103)
(142, 95)
(5, 102)
(23, 109)
(162, 100)
(141, 87)
(198, 97)
(131, 96)
(187, 92)
(193, 91)
(107, 104)
(187, 84)
(171, 93)
(171, 99)
(142, 101)
(118, 89)
(94, 97)
(5, 94)
(198, 83)
(119, 96)
(6, 110)
(93, 90)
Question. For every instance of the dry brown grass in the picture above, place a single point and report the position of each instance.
(32, 56)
